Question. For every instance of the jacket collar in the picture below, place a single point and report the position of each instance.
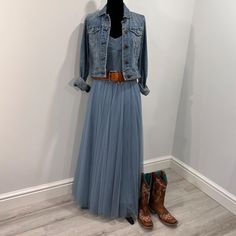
(103, 10)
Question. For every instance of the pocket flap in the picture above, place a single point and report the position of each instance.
(137, 30)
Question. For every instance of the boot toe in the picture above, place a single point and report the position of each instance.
(169, 219)
(145, 221)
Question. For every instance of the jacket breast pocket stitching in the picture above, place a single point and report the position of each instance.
(137, 31)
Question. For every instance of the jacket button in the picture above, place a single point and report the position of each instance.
(126, 46)
(129, 76)
(126, 62)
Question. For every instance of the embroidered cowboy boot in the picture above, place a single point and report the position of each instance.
(144, 216)
(157, 198)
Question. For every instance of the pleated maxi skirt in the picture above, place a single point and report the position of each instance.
(108, 172)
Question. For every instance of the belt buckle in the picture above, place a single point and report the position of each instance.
(114, 76)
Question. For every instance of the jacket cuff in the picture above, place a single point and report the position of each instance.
(144, 89)
(82, 84)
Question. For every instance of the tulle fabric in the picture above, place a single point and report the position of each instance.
(110, 161)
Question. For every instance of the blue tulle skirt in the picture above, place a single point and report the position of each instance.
(110, 161)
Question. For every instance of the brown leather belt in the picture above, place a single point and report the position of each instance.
(115, 76)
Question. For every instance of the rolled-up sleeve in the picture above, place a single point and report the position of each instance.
(84, 61)
(143, 62)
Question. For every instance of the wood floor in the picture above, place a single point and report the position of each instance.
(197, 214)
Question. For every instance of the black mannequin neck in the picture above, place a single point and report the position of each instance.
(115, 8)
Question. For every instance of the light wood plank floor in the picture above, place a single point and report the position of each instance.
(197, 213)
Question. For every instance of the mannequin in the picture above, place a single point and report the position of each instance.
(115, 9)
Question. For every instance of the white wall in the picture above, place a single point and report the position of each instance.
(41, 113)
(168, 24)
(205, 136)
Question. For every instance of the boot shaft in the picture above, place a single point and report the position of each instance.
(158, 188)
(144, 189)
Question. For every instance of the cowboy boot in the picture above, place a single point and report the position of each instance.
(157, 197)
(144, 216)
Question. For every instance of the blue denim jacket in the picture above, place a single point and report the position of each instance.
(94, 45)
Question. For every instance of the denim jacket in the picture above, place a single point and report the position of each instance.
(94, 45)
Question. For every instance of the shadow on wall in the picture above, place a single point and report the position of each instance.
(58, 162)
(183, 130)
(91, 6)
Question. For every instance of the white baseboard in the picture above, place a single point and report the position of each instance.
(219, 194)
(158, 163)
(34, 194)
(52, 190)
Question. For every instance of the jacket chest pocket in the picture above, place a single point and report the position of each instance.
(94, 35)
(137, 31)
(136, 36)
